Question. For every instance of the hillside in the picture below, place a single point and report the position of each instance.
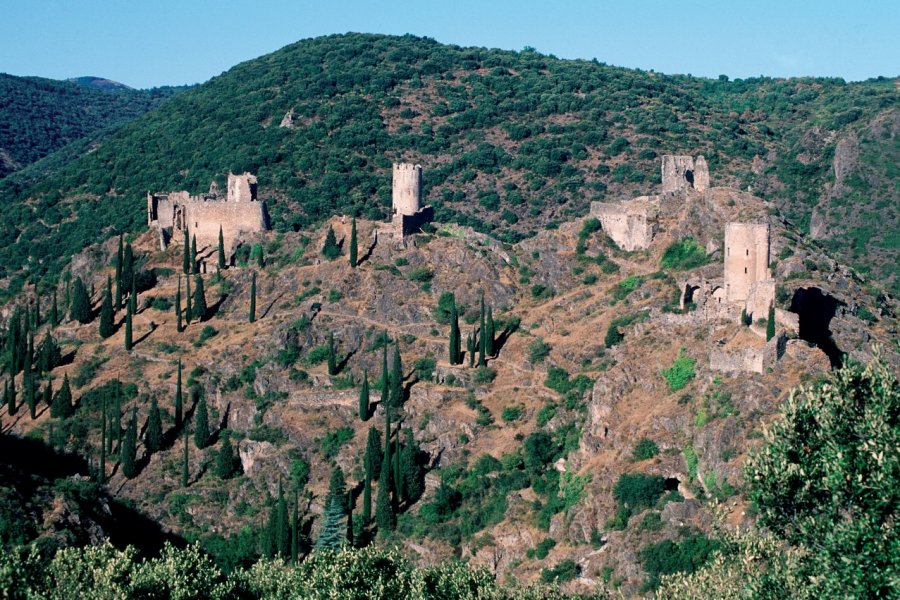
(40, 116)
(513, 143)
(521, 462)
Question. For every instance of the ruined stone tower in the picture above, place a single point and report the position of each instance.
(407, 189)
(746, 262)
(684, 173)
(408, 214)
(241, 188)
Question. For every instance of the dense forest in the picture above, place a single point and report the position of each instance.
(512, 142)
(39, 116)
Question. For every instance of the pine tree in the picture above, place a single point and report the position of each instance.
(179, 327)
(185, 464)
(54, 311)
(201, 424)
(454, 335)
(186, 259)
(482, 338)
(373, 455)
(194, 268)
(153, 439)
(106, 313)
(770, 323)
(129, 342)
(128, 453)
(221, 257)
(62, 407)
(332, 359)
(179, 406)
(412, 476)
(103, 443)
(396, 379)
(330, 249)
(227, 462)
(252, 316)
(199, 298)
(119, 259)
(128, 268)
(337, 488)
(188, 309)
(81, 303)
(333, 533)
(489, 333)
(283, 537)
(353, 245)
(364, 397)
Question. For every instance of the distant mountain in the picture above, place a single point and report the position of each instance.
(39, 116)
(100, 83)
(511, 143)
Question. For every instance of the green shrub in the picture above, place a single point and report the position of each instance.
(425, 367)
(537, 350)
(484, 375)
(318, 355)
(334, 439)
(205, 334)
(667, 556)
(511, 413)
(680, 373)
(638, 490)
(683, 255)
(421, 274)
(542, 549)
(644, 449)
(564, 571)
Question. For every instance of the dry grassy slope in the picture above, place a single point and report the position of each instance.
(629, 400)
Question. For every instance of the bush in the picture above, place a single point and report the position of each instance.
(425, 367)
(537, 350)
(542, 549)
(484, 375)
(638, 490)
(318, 355)
(683, 255)
(511, 413)
(668, 557)
(421, 274)
(564, 571)
(645, 449)
(680, 373)
(333, 440)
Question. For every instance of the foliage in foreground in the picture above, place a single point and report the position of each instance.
(183, 574)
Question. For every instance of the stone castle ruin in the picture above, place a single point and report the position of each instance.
(684, 172)
(408, 215)
(238, 213)
(748, 279)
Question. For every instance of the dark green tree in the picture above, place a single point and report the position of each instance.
(770, 323)
(397, 475)
(153, 438)
(367, 498)
(188, 309)
(49, 355)
(227, 462)
(396, 379)
(201, 422)
(179, 404)
(194, 266)
(330, 249)
(185, 464)
(283, 529)
(221, 254)
(129, 342)
(489, 333)
(128, 453)
(63, 407)
(128, 272)
(81, 303)
(482, 338)
(106, 313)
(353, 245)
(11, 396)
(119, 259)
(186, 259)
(295, 530)
(103, 442)
(47, 396)
(199, 298)
(470, 347)
(179, 327)
(337, 488)
(332, 358)
(455, 350)
(413, 484)
(30, 399)
(374, 453)
(54, 311)
(364, 397)
(132, 297)
(385, 517)
(385, 379)
(252, 316)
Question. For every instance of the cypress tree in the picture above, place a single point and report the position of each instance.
(103, 444)
(252, 316)
(48, 395)
(489, 333)
(54, 312)
(364, 397)
(221, 257)
(770, 323)
(186, 259)
(482, 338)
(270, 540)
(384, 510)
(454, 335)
(67, 277)
(81, 303)
(178, 400)
(62, 402)
(129, 342)
(132, 297)
(185, 465)
(470, 347)
(385, 379)
(396, 379)
(227, 463)
(179, 327)
(367, 498)
(412, 476)
(201, 423)
(118, 420)
(332, 359)
(154, 436)
(743, 316)
(283, 538)
(349, 532)
(199, 298)
(188, 309)
(30, 399)
(37, 311)
(106, 313)
(353, 245)
(398, 473)
(128, 268)
(49, 355)
(11, 397)
(119, 258)
(194, 254)
(330, 249)
(373, 455)
(295, 530)
(128, 453)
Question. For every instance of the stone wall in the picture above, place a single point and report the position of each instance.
(241, 188)
(746, 258)
(684, 173)
(631, 223)
(748, 360)
(407, 189)
(760, 297)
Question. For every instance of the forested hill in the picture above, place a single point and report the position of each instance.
(511, 142)
(39, 116)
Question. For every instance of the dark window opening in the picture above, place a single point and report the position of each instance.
(815, 310)
(689, 177)
(671, 484)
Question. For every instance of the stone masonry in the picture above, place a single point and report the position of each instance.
(746, 260)
(408, 214)
(239, 213)
(684, 172)
(631, 223)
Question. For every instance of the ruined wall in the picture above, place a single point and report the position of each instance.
(631, 224)
(746, 258)
(241, 188)
(749, 360)
(407, 188)
(684, 173)
(235, 218)
(759, 298)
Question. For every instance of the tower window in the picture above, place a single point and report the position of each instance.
(747, 252)
(745, 270)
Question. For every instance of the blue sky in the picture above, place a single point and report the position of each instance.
(159, 42)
